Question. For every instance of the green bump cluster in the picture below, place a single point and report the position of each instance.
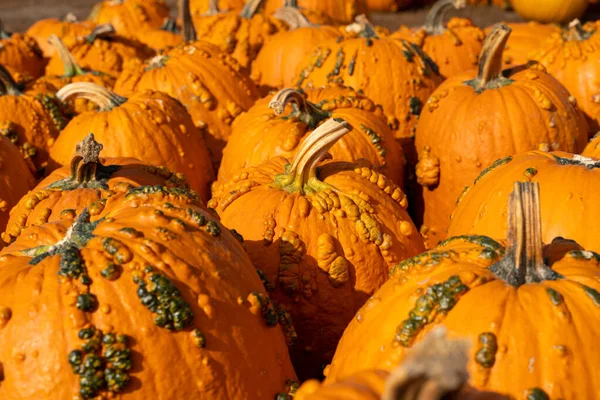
(486, 355)
(375, 139)
(266, 307)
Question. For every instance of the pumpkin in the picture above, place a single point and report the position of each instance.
(69, 26)
(593, 147)
(208, 83)
(559, 11)
(524, 39)
(86, 181)
(387, 5)
(72, 73)
(21, 53)
(454, 48)
(276, 63)
(198, 7)
(15, 179)
(564, 212)
(475, 118)
(313, 16)
(277, 126)
(501, 298)
(153, 298)
(163, 38)
(129, 17)
(323, 237)
(568, 57)
(353, 61)
(341, 11)
(30, 120)
(149, 126)
(101, 51)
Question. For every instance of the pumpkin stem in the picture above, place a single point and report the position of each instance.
(102, 97)
(489, 75)
(170, 25)
(293, 17)
(8, 84)
(187, 24)
(434, 21)
(104, 31)
(435, 368)
(70, 18)
(576, 32)
(4, 34)
(523, 261)
(304, 110)
(301, 175)
(213, 8)
(85, 161)
(250, 8)
(291, 3)
(362, 27)
(71, 67)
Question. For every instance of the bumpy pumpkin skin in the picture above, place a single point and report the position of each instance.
(129, 17)
(21, 53)
(155, 235)
(198, 7)
(15, 179)
(161, 39)
(188, 73)
(341, 11)
(68, 27)
(260, 134)
(463, 130)
(149, 126)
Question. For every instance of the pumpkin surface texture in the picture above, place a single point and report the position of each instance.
(552, 292)
(149, 126)
(198, 7)
(163, 38)
(69, 26)
(129, 17)
(154, 268)
(323, 237)
(341, 11)
(473, 119)
(21, 53)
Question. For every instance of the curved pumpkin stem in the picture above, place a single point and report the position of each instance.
(250, 8)
(362, 27)
(524, 261)
(292, 16)
(489, 75)
(104, 31)
(8, 84)
(69, 63)
(576, 32)
(434, 21)
(303, 170)
(187, 24)
(102, 97)
(4, 34)
(304, 110)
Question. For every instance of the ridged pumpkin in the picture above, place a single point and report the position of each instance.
(354, 62)
(277, 126)
(454, 48)
(149, 126)
(30, 120)
(569, 57)
(15, 179)
(101, 51)
(85, 306)
(276, 63)
(502, 299)
(558, 11)
(483, 206)
(341, 11)
(69, 26)
(129, 17)
(208, 83)
(87, 180)
(21, 53)
(323, 237)
(476, 118)
(163, 38)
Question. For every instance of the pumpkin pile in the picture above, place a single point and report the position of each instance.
(279, 199)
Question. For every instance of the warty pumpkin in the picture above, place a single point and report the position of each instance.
(205, 80)
(529, 311)
(87, 182)
(149, 126)
(153, 298)
(340, 11)
(15, 179)
(102, 51)
(323, 237)
(477, 117)
(569, 57)
(454, 48)
(21, 54)
(163, 38)
(198, 7)
(129, 17)
(558, 11)
(277, 126)
(69, 26)
(483, 206)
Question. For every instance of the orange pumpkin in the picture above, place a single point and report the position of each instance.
(323, 237)
(313, 15)
(86, 181)
(149, 126)
(341, 11)
(512, 297)
(208, 83)
(277, 126)
(198, 7)
(163, 38)
(69, 26)
(154, 269)
(557, 11)
(454, 48)
(388, 5)
(129, 17)
(101, 51)
(475, 118)
(15, 179)
(21, 53)
(568, 56)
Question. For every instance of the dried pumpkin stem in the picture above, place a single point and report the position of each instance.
(187, 24)
(104, 31)
(85, 161)
(102, 97)
(291, 3)
(170, 25)
(434, 21)
(3, 33)
(576, 32)
(70, 18)
(250, 8)
(213, 8)
(304, 110)
(523, 261)
(293, 17)
(362, 27)
(489, 75)
(7, 83)
(70, 65)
